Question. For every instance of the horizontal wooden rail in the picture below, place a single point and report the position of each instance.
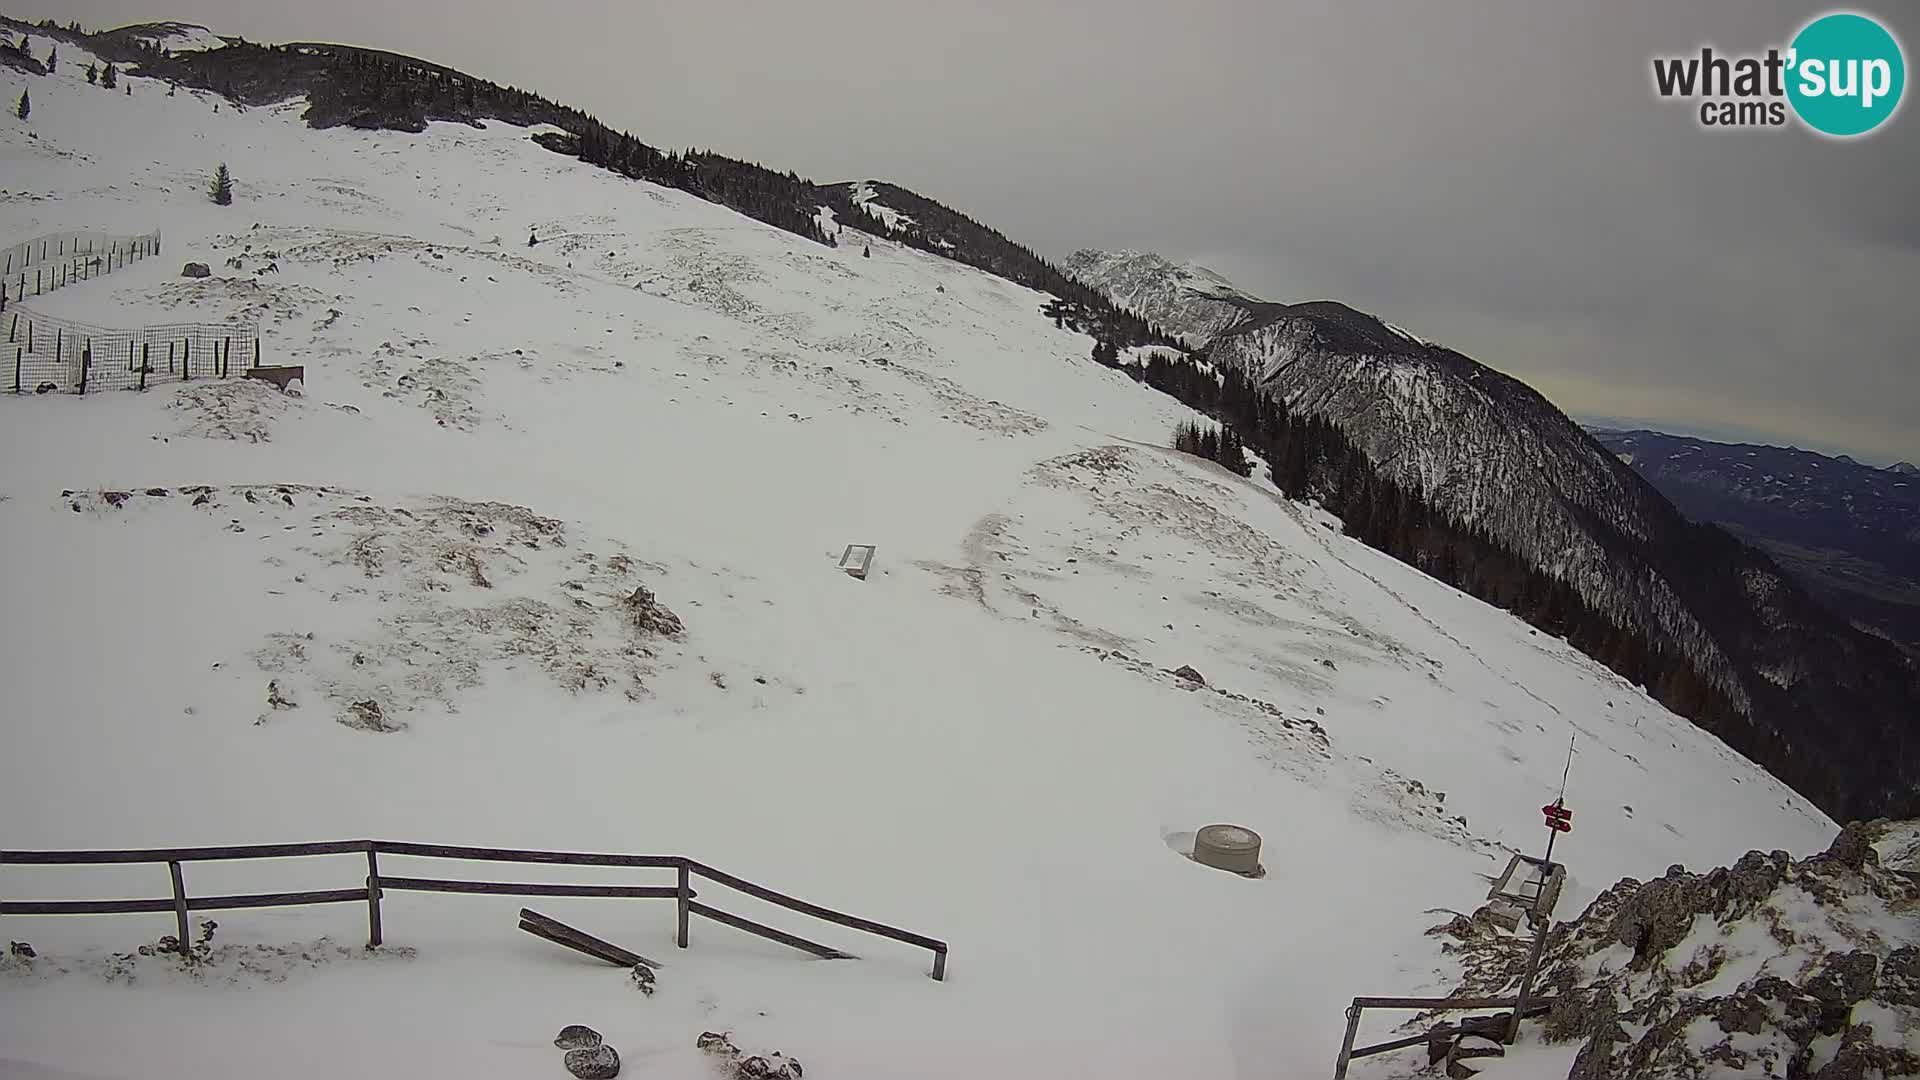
(377, 883)
(86, 907)
(507, 888)
(202, 903)
(823, 951)
(290, 899)
(815, 910)
(192, 854)
(1433, 1003)
(477, 854)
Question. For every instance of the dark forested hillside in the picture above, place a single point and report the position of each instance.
(1727, 639)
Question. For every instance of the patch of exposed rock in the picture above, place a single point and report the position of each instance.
(1773, 966)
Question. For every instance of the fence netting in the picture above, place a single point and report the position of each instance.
(47, 354)
(46, 263)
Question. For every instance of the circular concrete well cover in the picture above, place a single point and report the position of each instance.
(1228, 847)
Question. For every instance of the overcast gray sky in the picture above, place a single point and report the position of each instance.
(1495, 176)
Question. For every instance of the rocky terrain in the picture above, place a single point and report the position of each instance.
(1775, 966)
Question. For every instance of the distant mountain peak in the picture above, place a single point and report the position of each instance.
(1184, 298)
(1904, 468)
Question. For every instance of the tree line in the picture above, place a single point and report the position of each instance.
(1310, 458)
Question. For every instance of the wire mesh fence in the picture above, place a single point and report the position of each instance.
(43, 354)
(46, 263)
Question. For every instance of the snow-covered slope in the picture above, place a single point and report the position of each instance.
(1184, 299)
(982, 741)
(1821, 703)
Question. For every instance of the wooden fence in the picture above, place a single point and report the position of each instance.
(75, 357)
(376, 883)
(1502, 1027)
(46, 263)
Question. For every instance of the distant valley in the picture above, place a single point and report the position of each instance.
(1849, 532)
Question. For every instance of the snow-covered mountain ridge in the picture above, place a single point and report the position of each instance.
(1183, 298)
(1820, 702)
(985, 740)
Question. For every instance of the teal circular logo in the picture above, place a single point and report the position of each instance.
(1846, 74)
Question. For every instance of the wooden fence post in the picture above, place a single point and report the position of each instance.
(186, 359)
(169, 357)
(86, 363)
(226, 366)
(16, 368)
(256, 350)
(146, 364)
(684, 898)
(1346, 1046)
(373, 897)
(180, 907)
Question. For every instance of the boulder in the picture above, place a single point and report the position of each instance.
(577, 1037)
(1845, 979)
(1900, 978)
(1192, 676)
(594, 1063)
(196, 270)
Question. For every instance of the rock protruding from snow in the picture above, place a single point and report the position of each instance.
(196, 270)
(1770, 967)
(594, 1063)
(577, 1037)
(745, 1066)
(650, 616)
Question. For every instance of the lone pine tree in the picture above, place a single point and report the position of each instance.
(25, 108)
(222, 190)
(110, 78)
(53, 57)
(93, 72)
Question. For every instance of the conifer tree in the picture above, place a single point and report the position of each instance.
(222, 190)
(93, 73)
(25, 108)
(53, 57)
(109, 78)
(866, 252)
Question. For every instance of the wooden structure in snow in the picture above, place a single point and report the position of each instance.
(377, 883)
(857, 560)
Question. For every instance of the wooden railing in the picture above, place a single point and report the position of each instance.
(181, 904)
(1499, 1027)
